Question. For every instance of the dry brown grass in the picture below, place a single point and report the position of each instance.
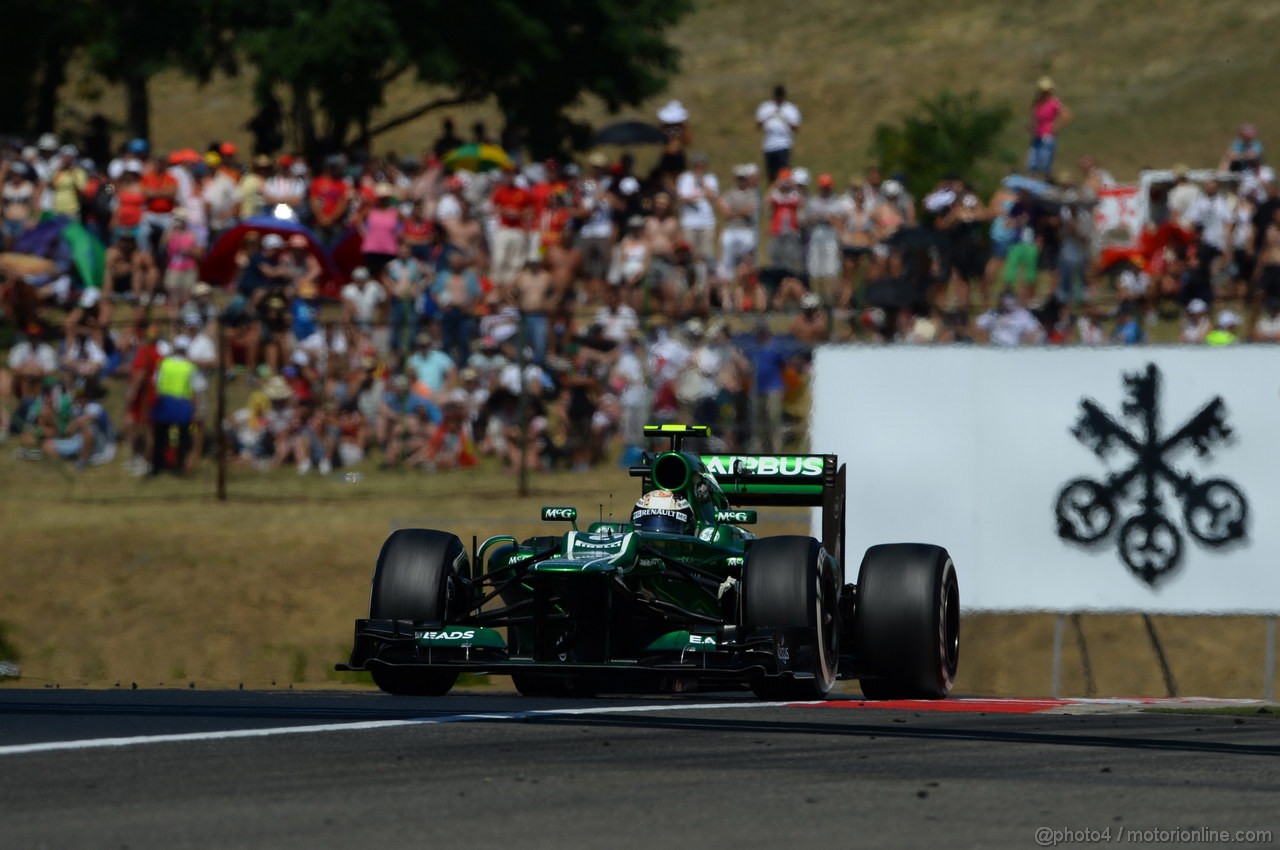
(1150, 83)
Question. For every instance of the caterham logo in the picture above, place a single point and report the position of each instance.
(1150, 544)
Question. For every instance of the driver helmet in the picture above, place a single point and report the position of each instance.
(664, 511)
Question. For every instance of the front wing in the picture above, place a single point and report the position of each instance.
(705, 654)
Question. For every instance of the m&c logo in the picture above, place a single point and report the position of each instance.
(551, 514)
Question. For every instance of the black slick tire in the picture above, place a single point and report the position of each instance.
(790, 585)
(412, 582)
(907, 623)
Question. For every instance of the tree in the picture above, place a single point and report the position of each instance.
(132, 40)
(37, 42)
(337, 57)
(949, 134)
(543, 58)
(330, 61)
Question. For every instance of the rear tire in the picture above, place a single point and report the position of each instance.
(907, 623)
(412, 582)
(790, 585)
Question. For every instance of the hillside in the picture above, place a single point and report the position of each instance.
(1155, 82)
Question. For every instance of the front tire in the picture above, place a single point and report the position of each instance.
(413, 581)
(907, 623)
(790, 585)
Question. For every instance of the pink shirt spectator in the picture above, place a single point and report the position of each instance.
(380, 228)
(182, 251)
(1044, 114)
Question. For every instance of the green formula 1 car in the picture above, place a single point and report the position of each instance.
(678, 598)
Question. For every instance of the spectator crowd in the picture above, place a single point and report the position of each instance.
(432, 311)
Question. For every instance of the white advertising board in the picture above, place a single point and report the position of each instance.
(1076, 479)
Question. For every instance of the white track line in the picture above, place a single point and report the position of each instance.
(357, 726)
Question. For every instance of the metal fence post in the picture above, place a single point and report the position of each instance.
(522, 410)
(1055, 673)
(220, 409)
(1269, 675)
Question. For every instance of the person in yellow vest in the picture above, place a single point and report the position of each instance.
(174, 408)
(1225, 332)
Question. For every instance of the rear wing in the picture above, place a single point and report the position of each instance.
(750, 480)
(815, 481)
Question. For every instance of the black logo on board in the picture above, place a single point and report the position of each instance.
(1150, 544)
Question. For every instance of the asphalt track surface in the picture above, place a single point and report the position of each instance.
(208, 769)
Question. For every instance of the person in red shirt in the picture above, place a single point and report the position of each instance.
(161, 191)
(141, 395)
(129, 206)
(331, 196)
(514, 208)
(552, 184)
(419, 232)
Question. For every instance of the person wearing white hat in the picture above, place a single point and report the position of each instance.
(811, 325)
(674, 119)
(673, 112)
(1195, 325)
(1212, 216)
(778, 120)
(18, 202)
(174, 407)
(361, 298)
(740, 207)
(595, 238)
(1267, 326)
(67, 183)
(697, 190)
(181, 272)
(1225, 332)
(1048, 113)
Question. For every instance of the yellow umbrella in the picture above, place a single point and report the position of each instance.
(477, 157)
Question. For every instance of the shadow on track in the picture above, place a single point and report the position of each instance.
(888, 730)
